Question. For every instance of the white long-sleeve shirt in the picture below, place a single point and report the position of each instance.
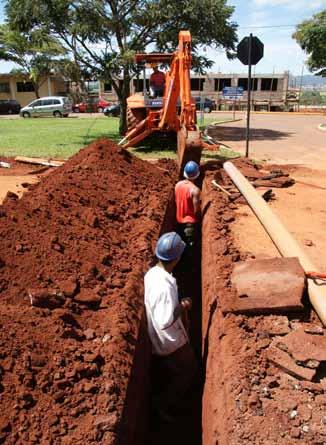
(161, 299)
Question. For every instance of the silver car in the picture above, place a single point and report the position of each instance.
(56, 106)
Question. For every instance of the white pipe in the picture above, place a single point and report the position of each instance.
(283, 240)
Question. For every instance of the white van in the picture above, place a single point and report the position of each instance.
(56, 106)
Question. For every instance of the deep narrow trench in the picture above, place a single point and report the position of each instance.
(186, 427)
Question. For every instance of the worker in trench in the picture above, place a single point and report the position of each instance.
(173, 355)
(188, 205)
(157, 82)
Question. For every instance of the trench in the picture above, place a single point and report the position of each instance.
(141, 424)
(186, 427)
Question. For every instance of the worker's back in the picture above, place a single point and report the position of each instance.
(184, 202)
(157, 79)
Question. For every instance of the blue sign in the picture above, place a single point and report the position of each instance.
(232, 92)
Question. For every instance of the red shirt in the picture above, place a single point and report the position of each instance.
(184, 204)
(157, 79)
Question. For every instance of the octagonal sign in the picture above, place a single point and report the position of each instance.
(257, 50)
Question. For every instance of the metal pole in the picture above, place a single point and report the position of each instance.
(144, 81)
(300, 90)
(248, 100)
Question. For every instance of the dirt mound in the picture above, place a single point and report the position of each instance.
(72, 254)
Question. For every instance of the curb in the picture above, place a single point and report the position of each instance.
(289, 113)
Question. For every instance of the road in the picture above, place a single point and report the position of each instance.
(283, 138)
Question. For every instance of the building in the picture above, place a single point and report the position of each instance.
(269, 92)
(18, 87)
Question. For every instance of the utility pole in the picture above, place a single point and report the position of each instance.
(271, 89)
(300, 89)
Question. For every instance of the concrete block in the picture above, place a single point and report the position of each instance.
(266, 286)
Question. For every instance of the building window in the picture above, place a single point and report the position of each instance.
(197, 84)
(25, 87)
(222, 83)
(93, 86)
(107, 87)
(4, 87)
(139, 85)
(269, 84)
(243, 82)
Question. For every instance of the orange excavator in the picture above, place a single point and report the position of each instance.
(174, 112)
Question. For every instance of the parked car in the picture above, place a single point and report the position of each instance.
(56, 106)
(91, 105)
(205, 104)
(9, 106)
(112, 110)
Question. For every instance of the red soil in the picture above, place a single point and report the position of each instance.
(76, 245)
(247, 399)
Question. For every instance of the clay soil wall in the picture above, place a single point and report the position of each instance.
(248, 400)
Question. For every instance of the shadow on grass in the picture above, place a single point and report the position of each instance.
(89, 138)
(157, 143)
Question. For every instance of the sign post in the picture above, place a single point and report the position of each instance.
(248, 97)
(250, 50)
(234, 94)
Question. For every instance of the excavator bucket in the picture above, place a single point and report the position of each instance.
(189, 147)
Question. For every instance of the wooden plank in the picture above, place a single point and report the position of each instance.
(39, 161)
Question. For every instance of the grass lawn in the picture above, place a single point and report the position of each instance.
(61, 138)
(53, 138)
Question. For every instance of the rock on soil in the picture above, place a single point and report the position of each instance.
(268, 285)
(73, 253)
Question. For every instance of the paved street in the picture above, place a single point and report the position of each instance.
(279, 137)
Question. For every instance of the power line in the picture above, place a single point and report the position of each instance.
(270, 26)
(267, 26)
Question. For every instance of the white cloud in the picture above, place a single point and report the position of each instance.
(291, 4)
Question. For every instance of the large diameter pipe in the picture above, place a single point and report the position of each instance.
(283, 240)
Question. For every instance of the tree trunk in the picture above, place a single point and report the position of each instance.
(36, 90)
(125, 93)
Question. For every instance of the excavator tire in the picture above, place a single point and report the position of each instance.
(134, 117)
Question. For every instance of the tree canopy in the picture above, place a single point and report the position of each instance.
(311, 36)
(104, 35)
(35, 53)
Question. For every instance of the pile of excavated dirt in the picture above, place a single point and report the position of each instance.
(265, 375)
(73, 252)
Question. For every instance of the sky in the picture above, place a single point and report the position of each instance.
(281, 52)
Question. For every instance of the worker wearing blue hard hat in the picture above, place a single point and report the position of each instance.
(187, 199)
(168, 335)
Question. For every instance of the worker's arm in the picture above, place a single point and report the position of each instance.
(185, 305)
(196, 200)
(166, 313)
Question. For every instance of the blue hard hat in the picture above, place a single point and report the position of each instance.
(191, 170)
(169, 246)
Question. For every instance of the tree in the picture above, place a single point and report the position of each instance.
(104, 35)
(33, 52)
(311, 36)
